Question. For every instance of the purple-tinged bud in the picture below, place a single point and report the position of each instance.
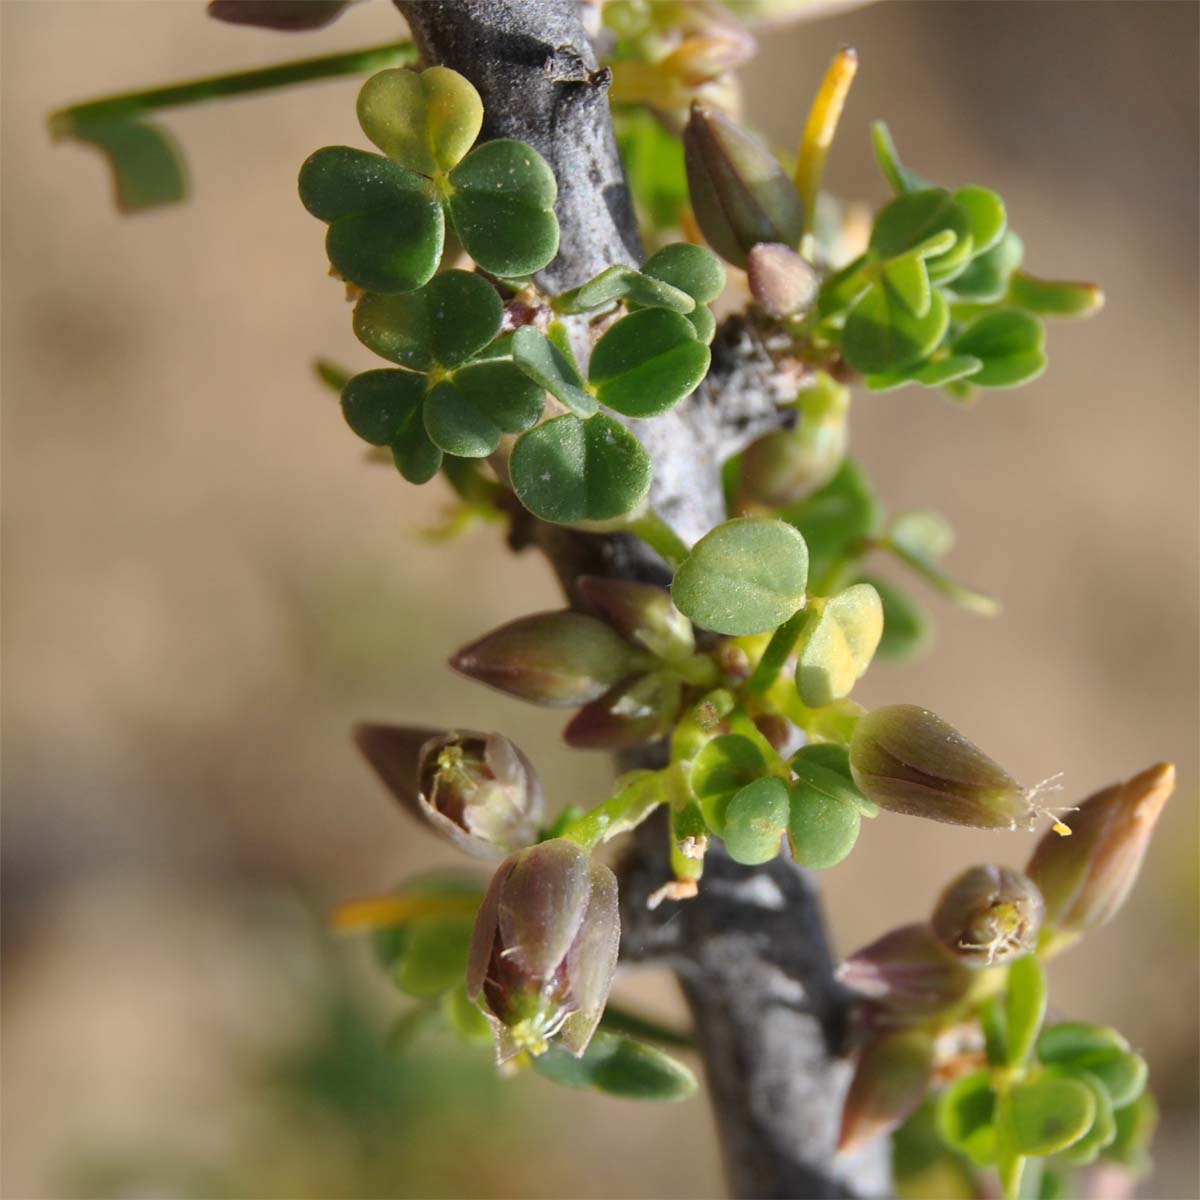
(890, 1080)
(740, 194)
(907, 975)
(989, 915)
(781, 282)
(908, 760)
(641, 613)
(1085, 878)
(287, 15)
(544, 948)
(478, 789)
(560, 659)
(640, 710)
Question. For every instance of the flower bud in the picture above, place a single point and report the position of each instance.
(641, 613)
(559, 659)
(781, 282)
(740, 194)
(1085, 878)
(642, 709)
(908, 760)
(890, 1080)
(544, 948)
(989, 915)
(907, 975)
(477, 789)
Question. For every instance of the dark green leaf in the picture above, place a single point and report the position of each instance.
(745, 576)
(755, 820)
(620, 1066)
(624, 283)
(571, 470)
(146, 166)
(502, 206)
(822, 828)
(415, 455)
(931, 373)
(1011, 345)
(882, 334)
(553, 369)
(825, 768)
(385, 223)
(647, 362)
(467, 414)
(695, 270)
(381, 405)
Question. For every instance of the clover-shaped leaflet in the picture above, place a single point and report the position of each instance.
(387, 215)
(446, 396)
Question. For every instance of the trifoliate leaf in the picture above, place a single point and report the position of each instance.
(425, 121)
(755, 820)
(468, 413)
(380, 405)
(1011, 345)
(724, 766)
(553, 369)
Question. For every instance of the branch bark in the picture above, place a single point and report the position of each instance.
(750, 950)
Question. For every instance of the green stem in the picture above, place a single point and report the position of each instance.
(130, 105)
(660, 537)
(640, 794)
(621, 1020)
(783, 642)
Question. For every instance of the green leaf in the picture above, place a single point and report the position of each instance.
(571, 470)
(986, 278)
(1011, 345)
(835, 517)
(911, 220)
(840, 290)
(468, 413)
(1135, 1129)
(1024, 1008)
(695, 270)
(882, 334)
(755, 820)
(959, 593)
(554, 369)
(1122, 1074)
(624, 283)
(386, 228)
(909, 282)
(1067, 1042)
(825, 767)
(966, 1116)
(822, 827)
(1053, 298)
(647, 362)
(837, 649)
(425, 121)
(986, 215)
(745, 576)
(900, 179)
(146, 165)
(381, 405)
(620, 1066)
(465, 1018)
(932, 373)
(1048, 1114)
(502, 206)
(1103, 1129)
(446, 322)
(907, 629)
(413, 452)
(724, 766)
(653, 160)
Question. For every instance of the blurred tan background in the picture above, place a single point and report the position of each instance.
(205, 586)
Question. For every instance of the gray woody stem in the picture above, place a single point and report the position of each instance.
(750, 950)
